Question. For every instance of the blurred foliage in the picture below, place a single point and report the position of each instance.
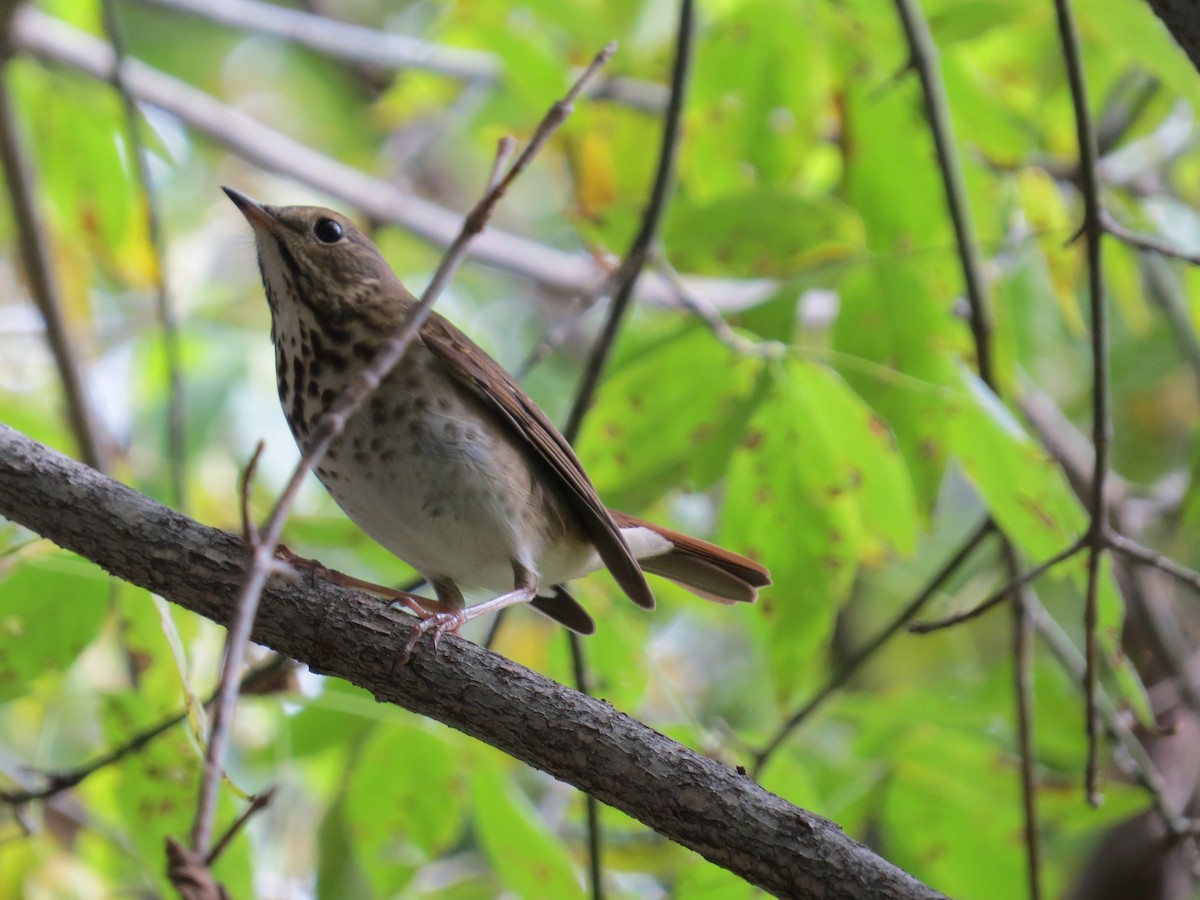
(852, 464)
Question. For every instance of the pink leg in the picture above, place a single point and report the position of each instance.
(450, 621)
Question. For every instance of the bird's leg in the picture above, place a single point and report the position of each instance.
(417, 605)
(450, 620)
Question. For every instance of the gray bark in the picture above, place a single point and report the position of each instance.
(698, 802)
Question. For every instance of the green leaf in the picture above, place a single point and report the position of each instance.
(51, 606)
(1024, 489)
(528, 857)
(816, 487)
(672, 413)
(760, 232)
(402, 801)
(896, 343)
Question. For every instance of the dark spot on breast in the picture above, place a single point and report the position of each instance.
(315, 367)
(312, 390)
(327, 396)
(364, 350)
(387, 455)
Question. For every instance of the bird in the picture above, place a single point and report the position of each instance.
(449, 464)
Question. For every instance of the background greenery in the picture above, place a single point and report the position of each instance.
(842, 437)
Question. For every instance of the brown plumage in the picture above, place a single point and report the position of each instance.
(450, 465)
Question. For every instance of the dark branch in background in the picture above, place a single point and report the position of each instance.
(330, 424)
(923, 58)
(868, 651)
(996, 597)
(1145, 242)
(1093, 234)
(625, 279)
(359, 44)
(19, 179)
(1023, 687)
(1136, 763)
(164, 308)
(689, 798)
(57, 782)
(639, 250)
(51, 40)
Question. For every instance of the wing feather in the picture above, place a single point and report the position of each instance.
(484, 377)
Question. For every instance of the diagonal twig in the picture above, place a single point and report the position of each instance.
(1093, 233)
(868, 651)
(1000, 594)
(52, 40)
(360, 44)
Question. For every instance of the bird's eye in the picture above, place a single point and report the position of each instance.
(328, 231)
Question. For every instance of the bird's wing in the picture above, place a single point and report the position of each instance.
(487, 381)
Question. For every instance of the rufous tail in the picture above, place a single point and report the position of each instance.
(705, 569)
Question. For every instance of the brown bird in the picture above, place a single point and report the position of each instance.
(449, 464)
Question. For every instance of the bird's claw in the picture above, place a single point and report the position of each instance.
(437, 624)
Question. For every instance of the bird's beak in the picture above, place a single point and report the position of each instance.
(256, 214)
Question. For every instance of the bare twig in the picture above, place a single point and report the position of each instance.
(57, 782)
(595, 833)
(249, 526)
(868, 651)
(712, 317)
(359, 44)
(325, 431)
(997, 596)
(639, 249)
(31, 237)
(1026, 739)
(923, 58)
(1145, 242)
(50, 39)
(1136, 762)
(259, 801)
(1093, 230)
(1154, 559)
(164, 307)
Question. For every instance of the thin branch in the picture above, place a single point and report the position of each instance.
(712, 317)
(19, 179)
(595, 833)
(868, 650)
(57, 782)
(923, 58)
(259, 801)
(54, 41)
(998, 596)
(359, 44)
(1136, 762)
(1093, 230)
(693, 800)
(1153, 559)
(326, 429)
(639, 249)
(1022, 636)
(626, 276)
(1145, 242)
(164, 307)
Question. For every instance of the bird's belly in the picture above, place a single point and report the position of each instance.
(439, 493)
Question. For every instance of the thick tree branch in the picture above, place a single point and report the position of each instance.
(691, 799)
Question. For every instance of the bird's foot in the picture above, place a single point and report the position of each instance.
(436, 624)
